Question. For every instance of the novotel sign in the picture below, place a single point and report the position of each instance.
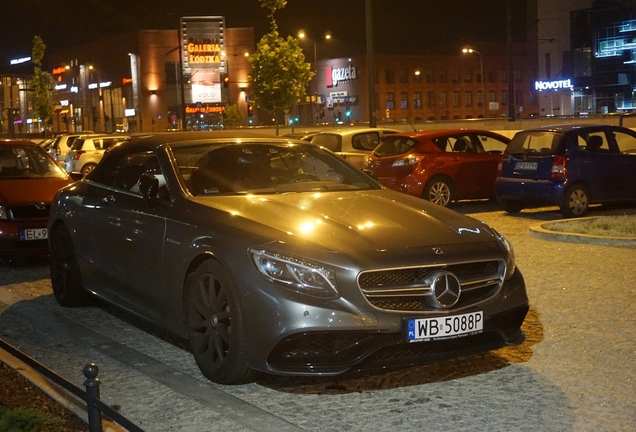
(565, 84)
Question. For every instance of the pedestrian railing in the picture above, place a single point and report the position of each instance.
(94, 406)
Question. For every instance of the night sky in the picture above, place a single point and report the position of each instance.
(400, 26)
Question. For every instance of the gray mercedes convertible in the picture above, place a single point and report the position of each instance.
(273, 255)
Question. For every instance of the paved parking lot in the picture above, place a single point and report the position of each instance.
(575, 372)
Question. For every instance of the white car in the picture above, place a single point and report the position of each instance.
(63, 144)
(352, 144)
(87, 151)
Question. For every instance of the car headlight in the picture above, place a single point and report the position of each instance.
(3, 212)
(297, 274)
(510, 254)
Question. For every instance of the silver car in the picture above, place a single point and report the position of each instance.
(277, 256)
(87, 151)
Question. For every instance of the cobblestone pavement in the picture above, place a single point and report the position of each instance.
(575, 372)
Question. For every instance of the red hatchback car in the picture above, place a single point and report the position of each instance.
(29, 179)
(441, 166)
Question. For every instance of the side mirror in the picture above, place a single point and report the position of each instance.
(149, 188)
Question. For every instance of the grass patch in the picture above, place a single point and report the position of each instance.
(27, 420)
(609, 226)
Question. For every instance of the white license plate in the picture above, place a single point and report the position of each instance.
(532, 166)
(34, 234)
(448, 327)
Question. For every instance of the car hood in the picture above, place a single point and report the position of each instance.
(350, 221)
(20, 191)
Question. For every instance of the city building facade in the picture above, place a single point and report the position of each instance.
(412, 88)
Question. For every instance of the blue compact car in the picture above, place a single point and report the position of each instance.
(570, 166)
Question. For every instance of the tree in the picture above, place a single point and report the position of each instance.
(42, 82)
(232, 116)
(279, 72)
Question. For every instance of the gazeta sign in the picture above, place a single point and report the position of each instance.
(565, 84)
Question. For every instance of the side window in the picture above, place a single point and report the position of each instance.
(491, 145)
(443, 144)
(124, 173)
(596, 142)
(365, 141)
(626, 143)
(461, 144)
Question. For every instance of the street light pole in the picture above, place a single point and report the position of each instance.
(314, 96)
(481, 71)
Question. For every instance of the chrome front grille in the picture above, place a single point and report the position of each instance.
(407, 289)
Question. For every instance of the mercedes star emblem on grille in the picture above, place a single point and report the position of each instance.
(446, 289)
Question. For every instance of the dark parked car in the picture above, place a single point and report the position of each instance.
(278, 256)
(441, 166)
(29, 179)
(570, 166)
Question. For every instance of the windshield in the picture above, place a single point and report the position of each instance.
(26, 162)
(233, 169)
(540, 143)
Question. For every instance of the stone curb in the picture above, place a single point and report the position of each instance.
(539, 231)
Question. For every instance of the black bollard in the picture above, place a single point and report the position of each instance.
(92, 395)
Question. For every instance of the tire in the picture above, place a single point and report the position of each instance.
(439, 190)
(512, 206)
(576, 202)
(215, 326)
(66, 278)
(87, 168)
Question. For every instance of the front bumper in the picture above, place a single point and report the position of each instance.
(330, 342)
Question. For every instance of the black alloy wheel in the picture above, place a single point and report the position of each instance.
(66, 278)
(215, 326)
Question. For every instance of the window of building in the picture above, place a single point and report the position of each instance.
(455, 98)
(468, 98)
(493, 96)
(492, 76)
(389, 77)
(455, 75)
(429, 76)
(480, 98)
(519, 97)
(517, 73)
(443, 102)
(402, 77)
(504, 97)
(442, 75)
(468, 75)
(431, 99)
(390, 103)
(417, 76)
(417, 100)
(404, 100)
(504, 75)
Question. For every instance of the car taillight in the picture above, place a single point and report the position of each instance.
(58, 151)
(558, 170)
(406, 162)
(78, 154)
